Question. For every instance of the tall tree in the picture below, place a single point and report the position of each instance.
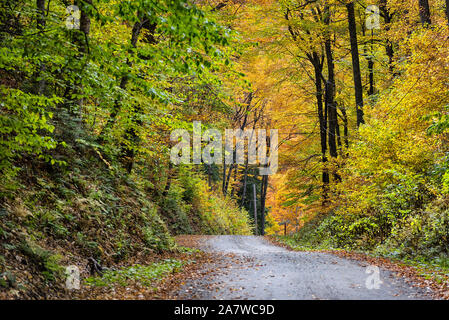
(355, 63)
(330, 87)
(334, 130)
(317, 62)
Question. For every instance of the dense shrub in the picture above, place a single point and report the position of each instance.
(191, 207)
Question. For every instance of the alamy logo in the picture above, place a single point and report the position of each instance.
(373, 281)
(73, 20)
(73, 278)
(373, 20)
(262, 148)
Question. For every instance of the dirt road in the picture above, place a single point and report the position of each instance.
(253, 268)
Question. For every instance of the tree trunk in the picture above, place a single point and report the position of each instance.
(424, 12)
(355, 63)
(84, 27)
(330, 88)
(233, 187)
(389, 45)
(345, 127)
(169, 179)
(371, 89)
(245, 182)
(263, 196)
(40, 21)
(224, 178)
(447, 11)
(322, 118)
(228, 177)
(255, 208)
(330, 92)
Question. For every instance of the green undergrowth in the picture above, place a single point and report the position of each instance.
(144, 275)
(192, 208)
(51, 216)
(419, 235)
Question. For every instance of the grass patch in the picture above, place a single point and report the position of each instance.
(187, 250)
(145, 275)
(298, 245)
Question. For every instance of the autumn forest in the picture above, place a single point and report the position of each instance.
(351, 96)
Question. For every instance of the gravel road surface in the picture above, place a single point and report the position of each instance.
(251, 268)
